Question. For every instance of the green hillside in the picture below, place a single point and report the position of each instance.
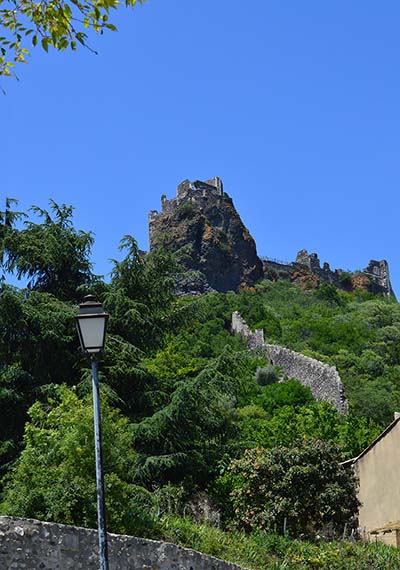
(191, 417)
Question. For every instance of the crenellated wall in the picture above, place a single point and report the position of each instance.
(323, 380)
(27, 544)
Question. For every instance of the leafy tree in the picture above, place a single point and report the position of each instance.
(346, 280)
(187, 437)
(52, 255)
(374, 399)
(172, 363)
(304, 484)
(38, 348)
(141, 296)
(285, 425)
(54, 478)
(51, 23)
(15, 385)
(329, 292)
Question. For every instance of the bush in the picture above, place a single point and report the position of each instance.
(54, 478)
(290, 393)
(345, 280)
(328, 292)
(267, 375)
(185, 211)
(304, 485)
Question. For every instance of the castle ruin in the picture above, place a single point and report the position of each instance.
(220, 254)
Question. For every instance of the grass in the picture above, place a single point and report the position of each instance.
(262, 551)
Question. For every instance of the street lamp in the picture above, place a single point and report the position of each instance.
(91, 323)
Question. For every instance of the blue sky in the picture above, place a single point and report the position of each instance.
(295, 105)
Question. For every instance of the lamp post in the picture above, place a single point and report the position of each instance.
(91, 323)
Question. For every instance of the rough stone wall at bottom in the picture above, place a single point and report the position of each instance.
(27, 544)
(322, 379)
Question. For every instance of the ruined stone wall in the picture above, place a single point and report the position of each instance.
(187, 189)
(254, 339)
(307, 272)
(197, 193)
(378, 271)
(33, 545)
(323, 380)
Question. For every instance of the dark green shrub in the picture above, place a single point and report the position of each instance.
(267, 375)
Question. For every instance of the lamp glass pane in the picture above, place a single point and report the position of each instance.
(92, 332)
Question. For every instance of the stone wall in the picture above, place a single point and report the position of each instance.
(323, 380)
(33, 545)
(255, 339)
(378, 271)
(307, 272)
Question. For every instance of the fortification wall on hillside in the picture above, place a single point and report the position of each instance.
(255, 339)
(323, 380)
(33, 545)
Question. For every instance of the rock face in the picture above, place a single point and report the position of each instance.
(307, 272)
(217, 252)
(33, 545)
(202, 225)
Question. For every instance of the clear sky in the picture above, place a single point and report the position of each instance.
(294, 104)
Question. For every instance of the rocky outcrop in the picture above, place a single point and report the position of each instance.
(213, 245)
(33, 545)
(217, 252)
(307, 272)
(323, 380)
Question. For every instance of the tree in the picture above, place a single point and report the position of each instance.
(54, 478)
(304, 484)
(38, 348)
(52, 255)
(267, 375)
(269, 426)
(187, 437)
(142, 295)
(51, 23)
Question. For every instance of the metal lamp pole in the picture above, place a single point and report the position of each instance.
(91, 325)
(101, 506)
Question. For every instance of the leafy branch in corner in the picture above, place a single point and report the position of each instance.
(50, 23)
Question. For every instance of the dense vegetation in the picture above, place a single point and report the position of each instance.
(191, 418)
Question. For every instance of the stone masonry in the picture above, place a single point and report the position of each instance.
(307, 272)
(323, 380)
(27, 544)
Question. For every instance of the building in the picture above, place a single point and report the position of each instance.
(378, 470)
